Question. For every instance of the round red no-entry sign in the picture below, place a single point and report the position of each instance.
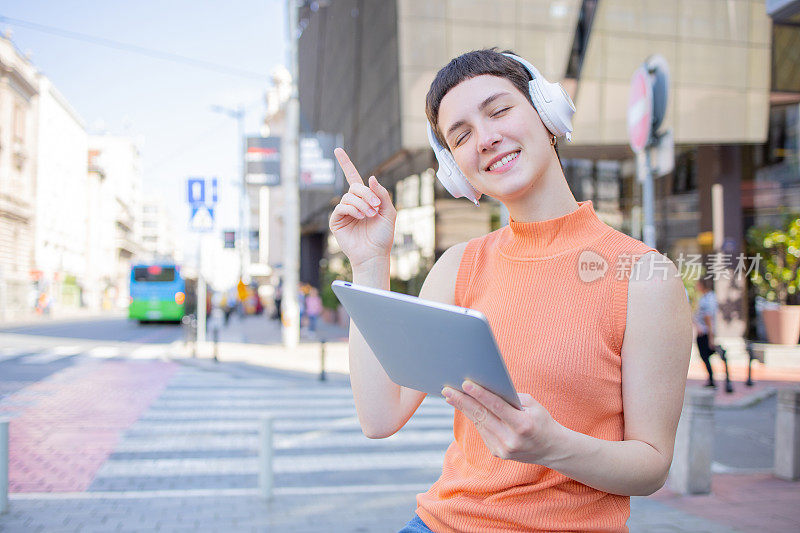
(640, 110)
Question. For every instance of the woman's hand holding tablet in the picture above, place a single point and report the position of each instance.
(425, 345)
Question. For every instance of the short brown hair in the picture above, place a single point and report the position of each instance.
(470, 65)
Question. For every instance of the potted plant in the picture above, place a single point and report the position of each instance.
(776, 278)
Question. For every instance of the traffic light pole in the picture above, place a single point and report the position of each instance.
(243, 239)
(244, 208)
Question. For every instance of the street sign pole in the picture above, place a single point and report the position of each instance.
(202, 199)
(640, 119)
(201, 293)
(647, 105)
(648, 203)
(290, 162)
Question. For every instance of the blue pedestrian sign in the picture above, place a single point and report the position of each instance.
(201, 194)
(196, 191)
(213, 190)
(202, 218)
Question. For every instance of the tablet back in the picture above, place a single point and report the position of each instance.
(426, 345)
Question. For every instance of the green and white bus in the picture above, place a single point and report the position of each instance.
(158, 293)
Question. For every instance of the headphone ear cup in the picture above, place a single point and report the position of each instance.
(551, 101)
(453, 179)
(449, 174)
(543, 106)
(554, 105)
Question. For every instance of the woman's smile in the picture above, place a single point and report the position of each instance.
(503, 163)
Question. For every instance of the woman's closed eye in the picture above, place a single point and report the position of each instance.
(461, 138)
(500, 111)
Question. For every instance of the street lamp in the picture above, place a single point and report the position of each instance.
(238, 114)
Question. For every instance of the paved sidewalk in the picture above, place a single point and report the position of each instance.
(260, 329)
(755, 502)
(766, 380)
(144, 438)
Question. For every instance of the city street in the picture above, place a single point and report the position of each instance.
(131, 435)
(522, 158)
(118, 329)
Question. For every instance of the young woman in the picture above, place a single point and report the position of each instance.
(588, 321)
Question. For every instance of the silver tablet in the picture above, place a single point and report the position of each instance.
(425, 345)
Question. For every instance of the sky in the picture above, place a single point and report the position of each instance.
(164, 104)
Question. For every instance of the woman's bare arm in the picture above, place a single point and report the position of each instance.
(383, 406)
(655, 358)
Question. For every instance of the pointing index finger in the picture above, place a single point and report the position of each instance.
(350, 173)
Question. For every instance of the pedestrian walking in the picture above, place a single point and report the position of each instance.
(580, 342)
(227, 307)
(313, 308)
(301, 302)
(704, 319)
(278, 299)
(216, 319)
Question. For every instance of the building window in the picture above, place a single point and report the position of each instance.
(685, 179)
(19, 123)
(786, 58)
(580, 41)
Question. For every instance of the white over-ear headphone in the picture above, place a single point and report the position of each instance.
(550, 100)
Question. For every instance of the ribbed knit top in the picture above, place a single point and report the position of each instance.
(559, 321)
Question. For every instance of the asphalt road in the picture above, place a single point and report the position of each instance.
(108, 329)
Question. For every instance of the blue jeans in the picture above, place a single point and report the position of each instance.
(416, 525)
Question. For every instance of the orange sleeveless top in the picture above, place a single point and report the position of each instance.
(555, 294)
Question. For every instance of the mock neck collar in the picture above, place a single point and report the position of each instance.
(551, 237)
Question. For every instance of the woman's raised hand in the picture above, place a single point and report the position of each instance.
(363, 221)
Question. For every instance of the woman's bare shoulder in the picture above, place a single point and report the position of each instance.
(440, 284)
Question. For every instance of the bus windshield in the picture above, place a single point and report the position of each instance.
(153, 273)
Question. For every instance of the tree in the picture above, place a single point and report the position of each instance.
(779, 250)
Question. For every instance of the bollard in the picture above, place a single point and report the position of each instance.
(787, 435)
(216, 344)
(694, 444)
(3, 466)
(193, 326)
(322, 360)
(265, 459)
(185, 325)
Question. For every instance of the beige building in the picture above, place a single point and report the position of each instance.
(114, 213)
(18, 93)
(61, 210)
(266, 203)
(365, 68)
(158, 236)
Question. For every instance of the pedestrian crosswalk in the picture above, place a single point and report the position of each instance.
(45, 354)
(203, 433)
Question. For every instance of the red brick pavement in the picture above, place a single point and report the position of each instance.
(749, 502)
(75, 419)
(752, 502)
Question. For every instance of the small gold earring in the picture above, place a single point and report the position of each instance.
(553, 141)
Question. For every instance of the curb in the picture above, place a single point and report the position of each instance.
(749, 401)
